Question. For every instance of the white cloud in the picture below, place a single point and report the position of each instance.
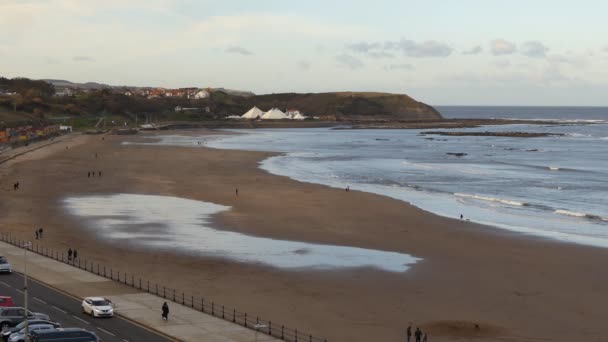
(364, 47)
(576, 61)
(500, 47)
(429, 48)
(238, 50)
(410, 48)
(475, 50)
(304, 65)
(534, 49)
(380, 54)
(349, 61)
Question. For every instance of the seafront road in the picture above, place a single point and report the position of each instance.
(67, 311)
(57, 290)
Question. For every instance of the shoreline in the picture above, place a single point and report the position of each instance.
(552, 277)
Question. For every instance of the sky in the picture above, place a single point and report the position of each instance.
(466, 52)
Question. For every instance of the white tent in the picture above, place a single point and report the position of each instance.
(298, 116)
(253, 113)
(274, 114)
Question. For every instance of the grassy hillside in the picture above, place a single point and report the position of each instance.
(343, 106)
(27, 100)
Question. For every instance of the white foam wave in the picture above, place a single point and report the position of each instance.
(553, 168)
(577, 214)
(492, 199)
(570, 213)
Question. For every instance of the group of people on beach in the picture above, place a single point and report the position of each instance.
(38, 232)
(72, 254)
(418, 334)
(92, 173)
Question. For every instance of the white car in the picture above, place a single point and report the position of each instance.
(98, 307)
(5, 266)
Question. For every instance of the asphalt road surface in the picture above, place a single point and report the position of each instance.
(68, 312)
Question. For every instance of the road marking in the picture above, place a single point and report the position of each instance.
(5, 284)
(59, 309)
(125, 340)
(105, 331)
(18, 290)
(80, 319)
(40, 300)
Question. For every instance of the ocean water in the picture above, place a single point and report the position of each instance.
(179, 224)
(554, 186)
(530, 113)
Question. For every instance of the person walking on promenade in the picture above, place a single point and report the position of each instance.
(408, 333)
(418, 334)
(75, 254)
(165, 312)
(69, 254)
(237, 192)
(40, 232)
(36, 231)
(89, 174)
(425, 338)
(99, 173)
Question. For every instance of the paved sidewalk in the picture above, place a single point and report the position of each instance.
(185, 324)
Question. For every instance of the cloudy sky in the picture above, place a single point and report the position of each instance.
(467, 52)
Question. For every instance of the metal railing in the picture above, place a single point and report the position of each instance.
(197, 303)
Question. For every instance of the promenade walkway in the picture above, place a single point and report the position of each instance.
(185, 324)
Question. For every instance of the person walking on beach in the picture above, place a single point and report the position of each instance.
(461, 217)
(69, 254)
(99, 173)
(165, 312)
(408, 333)
(237, 192)
(89, 174)
(418, 334)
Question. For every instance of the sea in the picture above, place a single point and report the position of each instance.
(552, 187)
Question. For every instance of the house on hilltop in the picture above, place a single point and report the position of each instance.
(200, 94)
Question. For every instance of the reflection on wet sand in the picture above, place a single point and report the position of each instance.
(182, 225)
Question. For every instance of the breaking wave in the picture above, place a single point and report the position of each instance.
(492, 199)
(577, 214)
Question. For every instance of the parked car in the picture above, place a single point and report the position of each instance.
(6, 301)
(64, 334)
(19, 336)
(98, 307)
(5, 266)
(11, 316)
(6, 333)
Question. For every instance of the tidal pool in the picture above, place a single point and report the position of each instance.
(182, 225)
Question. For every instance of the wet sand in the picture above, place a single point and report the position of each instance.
(515, 287)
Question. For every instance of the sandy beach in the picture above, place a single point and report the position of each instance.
(513, 287)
